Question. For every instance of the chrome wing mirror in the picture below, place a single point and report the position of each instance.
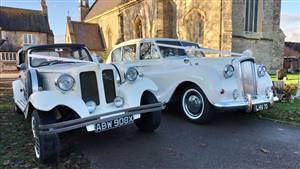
(22, 66)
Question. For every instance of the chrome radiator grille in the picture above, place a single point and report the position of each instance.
(109, 85)
(248, 78)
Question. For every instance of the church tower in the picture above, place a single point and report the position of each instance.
(44, 7)
(83, 9)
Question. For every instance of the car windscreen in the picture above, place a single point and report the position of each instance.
(170, 51)
(77, 53)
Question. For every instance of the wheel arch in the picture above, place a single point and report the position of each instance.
(176, 94)
(146, 94)
(64, 111)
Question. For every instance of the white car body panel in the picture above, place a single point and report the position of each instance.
(51, 97)
(207, 73)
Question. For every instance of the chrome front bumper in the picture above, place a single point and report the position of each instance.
(247, 104)
(83, 122)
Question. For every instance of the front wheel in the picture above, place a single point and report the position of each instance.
(148, 121)
(195, 105)
(46, 147)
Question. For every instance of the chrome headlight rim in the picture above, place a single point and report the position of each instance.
(131, 74)
(119, 102)
(235, 94)
(261, 70)
(59, 80)
(228, 71)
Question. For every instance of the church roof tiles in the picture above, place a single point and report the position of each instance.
(15, 19)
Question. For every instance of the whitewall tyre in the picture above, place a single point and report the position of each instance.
(46, 147)
(195, 105)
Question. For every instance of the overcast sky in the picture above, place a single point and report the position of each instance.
(59, 9)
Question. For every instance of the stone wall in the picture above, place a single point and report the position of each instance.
(166, 18)
(216, 21)
(267, 44)
(109, 24)
(16, 38)
(223, 26)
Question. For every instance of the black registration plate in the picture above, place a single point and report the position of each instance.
(99, 127)
(260, 107)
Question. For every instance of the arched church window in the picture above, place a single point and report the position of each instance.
(194, 22)
(138, 27)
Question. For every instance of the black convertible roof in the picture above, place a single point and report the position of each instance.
(53, 46)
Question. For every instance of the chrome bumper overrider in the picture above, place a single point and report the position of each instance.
(83, 122)
(247, 104)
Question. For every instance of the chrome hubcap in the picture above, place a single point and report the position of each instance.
(193, 104)
(36, 140)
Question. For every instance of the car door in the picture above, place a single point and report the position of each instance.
(151, 65)
(23, 64)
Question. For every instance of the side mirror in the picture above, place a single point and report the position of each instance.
(96, 58)
(22, 66)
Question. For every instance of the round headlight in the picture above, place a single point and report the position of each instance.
(65, 82)
(131, 74)
(119, 101)
(91, 106)
(261, 71)
(228, 71)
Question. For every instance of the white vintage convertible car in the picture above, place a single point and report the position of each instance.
(61, 87)
(199, 84)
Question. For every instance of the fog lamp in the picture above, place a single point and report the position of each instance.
(235, 94)
(119, 101)
(91, 106)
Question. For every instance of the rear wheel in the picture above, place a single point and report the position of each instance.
(46, 147)
(148, 121)
(195, 105)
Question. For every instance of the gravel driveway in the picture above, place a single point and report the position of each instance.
(233, 140)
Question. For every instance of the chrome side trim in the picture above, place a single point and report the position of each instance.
(34, 80)
(241, 104)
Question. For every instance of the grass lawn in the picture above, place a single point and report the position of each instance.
(16, 148)
(292, 78)
(283, 112)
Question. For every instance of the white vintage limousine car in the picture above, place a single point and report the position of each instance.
(199, 84)
(61, 87)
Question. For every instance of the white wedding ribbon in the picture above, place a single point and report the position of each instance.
(205, 50)
(50, 58)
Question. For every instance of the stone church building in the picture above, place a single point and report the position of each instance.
(21, 27)
(234, 25)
